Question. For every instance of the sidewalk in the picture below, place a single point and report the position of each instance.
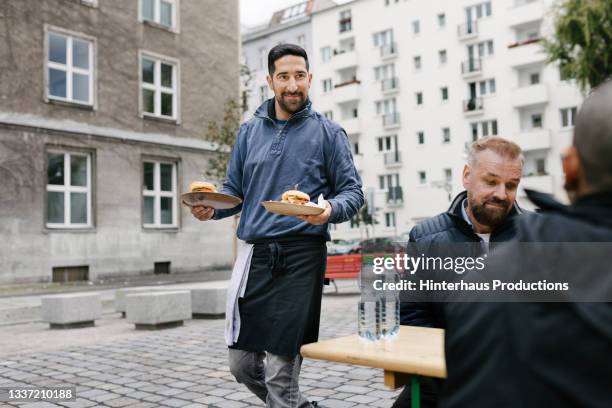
(113, 365)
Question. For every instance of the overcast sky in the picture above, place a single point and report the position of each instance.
(254, 12)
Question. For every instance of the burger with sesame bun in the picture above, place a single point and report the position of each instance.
(295, 197)
(202, 187)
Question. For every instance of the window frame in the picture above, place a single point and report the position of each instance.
(157, 193)
(66, 188)
(156, 22)
(156, 87)
(570, 115)
(69, 69)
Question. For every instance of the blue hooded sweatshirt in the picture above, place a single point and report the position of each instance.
(270, 157)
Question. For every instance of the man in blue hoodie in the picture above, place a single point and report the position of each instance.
(285, 144)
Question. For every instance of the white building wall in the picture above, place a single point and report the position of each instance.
(512, 104)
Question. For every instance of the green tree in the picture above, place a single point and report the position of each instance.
(223, 136)
(582, 42)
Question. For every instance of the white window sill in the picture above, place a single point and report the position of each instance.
(68, 103)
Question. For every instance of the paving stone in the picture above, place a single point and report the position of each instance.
(174, 402)
(334, 403)
(121, 402)
(354, 389)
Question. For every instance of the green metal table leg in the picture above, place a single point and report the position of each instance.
(415, 391)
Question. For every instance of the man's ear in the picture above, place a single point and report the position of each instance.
(571, 169)
(269, 80)
(466, 176)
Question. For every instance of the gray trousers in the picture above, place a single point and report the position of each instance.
(274, 381)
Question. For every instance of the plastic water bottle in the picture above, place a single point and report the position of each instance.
(390, 308)
(370, 320)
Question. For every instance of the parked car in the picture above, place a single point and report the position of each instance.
(380, 245)
(342, 247)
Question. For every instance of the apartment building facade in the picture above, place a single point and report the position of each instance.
(103, 109)
(414, 82)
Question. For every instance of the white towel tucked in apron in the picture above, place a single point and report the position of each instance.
(237, 286)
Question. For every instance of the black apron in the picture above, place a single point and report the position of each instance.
(281, 307)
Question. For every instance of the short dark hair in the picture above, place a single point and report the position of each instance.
(281, 50)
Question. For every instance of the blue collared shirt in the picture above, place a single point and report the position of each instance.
(309, 151)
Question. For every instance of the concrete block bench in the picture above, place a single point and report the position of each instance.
(120, 295)
(71, 310)
(209, 302)
(158, 309)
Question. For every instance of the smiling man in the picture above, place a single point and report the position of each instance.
(483, 213)
(286, 143)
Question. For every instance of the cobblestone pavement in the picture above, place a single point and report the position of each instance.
(181, 367)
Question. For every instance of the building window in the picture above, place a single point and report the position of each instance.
(386, 143)
(162, 12)
(326, 54)
(446, 136)
(159, 194)
(419, 98)
(479, 11)
(390, 220)
(485, 128)
(568, 116)
(327, 85)
(159, 83)
(443, 57)
(417, 62)
(421, 138)
(383, 38)
(345, 23)
(486, 87)
(383, 72)
(534, 78)
(541, 167)
(263, 94)
(356, 148)
(482, 49)
(329, 115)
(448, 175)
(386, 106)
(416, 27)
(301, 40)
(70, 69)
(441, 20)
(536, 121)
(68, 190)
(422, 177)
(444, 92)
(263, 58)
(90, 3)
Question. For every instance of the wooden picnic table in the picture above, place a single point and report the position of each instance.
(414, 352)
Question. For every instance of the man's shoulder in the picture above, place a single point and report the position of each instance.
(329, 125)
(559, 227)
(431, 227)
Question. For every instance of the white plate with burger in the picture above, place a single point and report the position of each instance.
(203, 193)
(293, 202)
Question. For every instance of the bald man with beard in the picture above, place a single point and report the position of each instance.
(547, 354)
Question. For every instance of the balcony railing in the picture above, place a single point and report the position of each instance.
(473, 105)
(388, 50)
(391, 119)
(471, 66)
(393, 158)
(468, 29)
(395, 195)
(389, 84)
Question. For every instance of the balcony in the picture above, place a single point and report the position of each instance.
(542, 183)
(389, 85)
(351, 126)
(388, 50)
(344, 59)
(526, 53)
(471, 67)
(529, 95)
(395, 196)
(473, 107)
(391, 120)
(347, 91)
(468, 30)
(525, 13)
(393, 159)
(534, 140)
